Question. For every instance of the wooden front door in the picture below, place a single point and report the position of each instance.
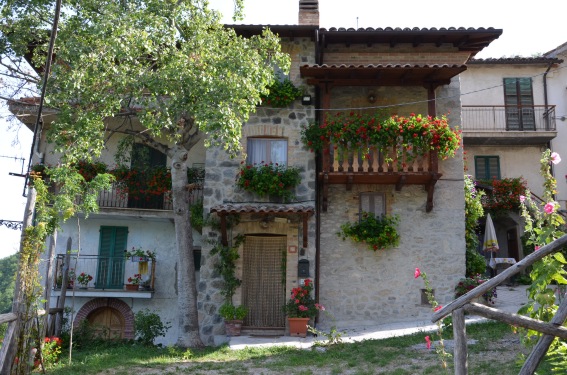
(107, 323)
(263, 281)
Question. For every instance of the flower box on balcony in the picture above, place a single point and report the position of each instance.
(371, 149)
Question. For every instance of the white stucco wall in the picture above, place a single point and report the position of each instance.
(482, 84)
(515, 161)
(557, 93)
(150, 234)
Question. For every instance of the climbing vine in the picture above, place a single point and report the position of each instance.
(544, 225)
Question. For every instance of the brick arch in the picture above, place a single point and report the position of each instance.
(116, 304)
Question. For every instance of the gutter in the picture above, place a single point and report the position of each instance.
(545, 101)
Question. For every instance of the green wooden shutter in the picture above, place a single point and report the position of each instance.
(518, 92)
(487, 167)
(110, 270)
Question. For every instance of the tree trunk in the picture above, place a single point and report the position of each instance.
(187, 286)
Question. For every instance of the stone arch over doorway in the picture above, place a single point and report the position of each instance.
(103, 303)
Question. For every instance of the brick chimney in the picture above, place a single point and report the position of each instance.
(309, 12)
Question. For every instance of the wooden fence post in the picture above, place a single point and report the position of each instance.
(460, 336)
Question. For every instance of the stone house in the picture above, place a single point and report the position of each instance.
(508, 119)
(401, 71)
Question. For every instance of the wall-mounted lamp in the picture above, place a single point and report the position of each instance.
(371, 97)
(306, 100)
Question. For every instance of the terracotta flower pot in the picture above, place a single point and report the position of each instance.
(298, 326)
(132, 287)
(233, 327)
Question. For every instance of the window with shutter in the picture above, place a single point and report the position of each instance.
(487, 167)
(110, 270)
(518, 98)
(145, 158)
(373, 202)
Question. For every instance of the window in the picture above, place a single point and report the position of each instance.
(487, 167)
(373, 202)
(110, 270)
(144, 159)
(267, 150)
(518, 97)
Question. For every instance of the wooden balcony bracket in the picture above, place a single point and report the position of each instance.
(401, 182)
(325, 195)
(350, 179)
(430, 189)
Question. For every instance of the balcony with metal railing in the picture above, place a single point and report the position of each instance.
(508, 125)
(103, 276)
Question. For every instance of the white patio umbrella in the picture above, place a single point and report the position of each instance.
(490, 241)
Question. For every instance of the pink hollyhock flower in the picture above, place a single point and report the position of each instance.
(549, 207)
(555, 158)
(437, 308)
(417, 273)
(522, 198)
(537, 247)
(303, 308)
(319, 307)
(427, 342)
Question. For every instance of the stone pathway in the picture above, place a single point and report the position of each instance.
(509, 299)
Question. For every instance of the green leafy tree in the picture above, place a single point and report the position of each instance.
(8, 269)
(169, 67)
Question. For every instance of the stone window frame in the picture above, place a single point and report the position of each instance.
(268, 157)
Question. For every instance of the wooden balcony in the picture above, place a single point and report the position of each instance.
(386, 168)
(508, 125)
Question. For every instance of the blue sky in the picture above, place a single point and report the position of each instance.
(528, 30)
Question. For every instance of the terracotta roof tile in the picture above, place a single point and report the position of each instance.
(515, 60)
(242, 208)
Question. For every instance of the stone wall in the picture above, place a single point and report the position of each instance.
(361, 54)
(221, 172)
(362, 287)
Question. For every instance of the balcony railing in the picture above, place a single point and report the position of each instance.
(508, 118)
(117, 197)
(108, 273)
(375, 167)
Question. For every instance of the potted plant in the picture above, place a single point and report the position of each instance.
(139, 255)
(377, 232)
(282, 93)
(233, 317)
(83, 279)
(134, 282)
(300, 308)
(469, 283)
(270, 179)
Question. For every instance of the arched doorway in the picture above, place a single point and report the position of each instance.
(112, 313)
(107, 323)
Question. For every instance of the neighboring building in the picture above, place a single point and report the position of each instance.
(557, 94)
(508, 119)
(404, 70)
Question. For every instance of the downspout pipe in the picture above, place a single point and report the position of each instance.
(545, 102)
(317, 187)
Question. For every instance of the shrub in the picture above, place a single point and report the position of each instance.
(149, 326)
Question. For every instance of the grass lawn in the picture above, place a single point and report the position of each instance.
(494, 351)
